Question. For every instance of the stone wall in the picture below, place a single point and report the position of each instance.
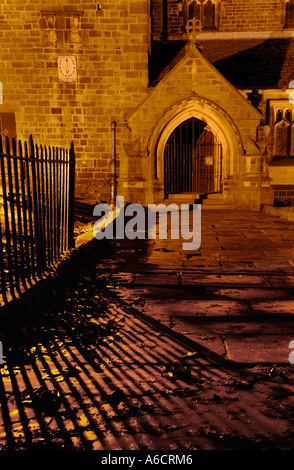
(252, 15)
(230, 15)
(109, 42)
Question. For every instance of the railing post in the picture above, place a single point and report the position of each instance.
(113, 191)
(2, 255)
(17, 202)
(58, 199)
(36, 213)
(12, 214)
(42, 204)
(25, 212)
(2, 268)
(47, 208)
(71, 197)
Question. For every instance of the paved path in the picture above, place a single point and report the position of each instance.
(234, 295)
(84, 371)
(90, 371)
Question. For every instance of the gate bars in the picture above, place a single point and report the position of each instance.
(192, 160)
(37, 190)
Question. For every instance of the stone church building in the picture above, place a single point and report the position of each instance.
(194, 97)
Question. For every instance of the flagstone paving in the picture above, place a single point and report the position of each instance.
(236, 289)
(153, 348)
(87, 371)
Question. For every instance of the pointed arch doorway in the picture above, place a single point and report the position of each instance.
(192, 160)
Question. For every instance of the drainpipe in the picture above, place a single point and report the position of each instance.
(113, 191)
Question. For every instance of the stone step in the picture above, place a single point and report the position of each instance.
(184, 198)
(216, 201)
(212, 196)
(218, 206)
(205, 206)
(209, 201)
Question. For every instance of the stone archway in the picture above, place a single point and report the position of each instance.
(218, 121)
(192, 160)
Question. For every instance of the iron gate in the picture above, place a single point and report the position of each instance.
(192, 160)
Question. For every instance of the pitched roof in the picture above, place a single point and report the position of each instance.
(246, 63)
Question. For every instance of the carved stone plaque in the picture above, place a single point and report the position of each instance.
(67, 68)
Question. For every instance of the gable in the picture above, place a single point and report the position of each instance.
(191, 73)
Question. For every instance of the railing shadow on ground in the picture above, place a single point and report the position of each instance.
(80, 373)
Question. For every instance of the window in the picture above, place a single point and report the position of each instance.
(281, 137)
(204, 10)
(289, 23)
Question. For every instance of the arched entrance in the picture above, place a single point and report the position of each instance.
(192, 159)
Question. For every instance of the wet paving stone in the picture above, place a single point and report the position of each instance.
(107, 366)
(86, 374)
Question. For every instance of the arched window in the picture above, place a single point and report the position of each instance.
(204, 10)
(282, 133)
(288, 115)
(289, 23)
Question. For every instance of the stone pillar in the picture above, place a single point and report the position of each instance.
(132, 183)
(255, 181)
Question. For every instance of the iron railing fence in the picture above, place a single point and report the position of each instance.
(37, 186)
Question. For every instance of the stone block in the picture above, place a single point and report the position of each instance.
(262, 349)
